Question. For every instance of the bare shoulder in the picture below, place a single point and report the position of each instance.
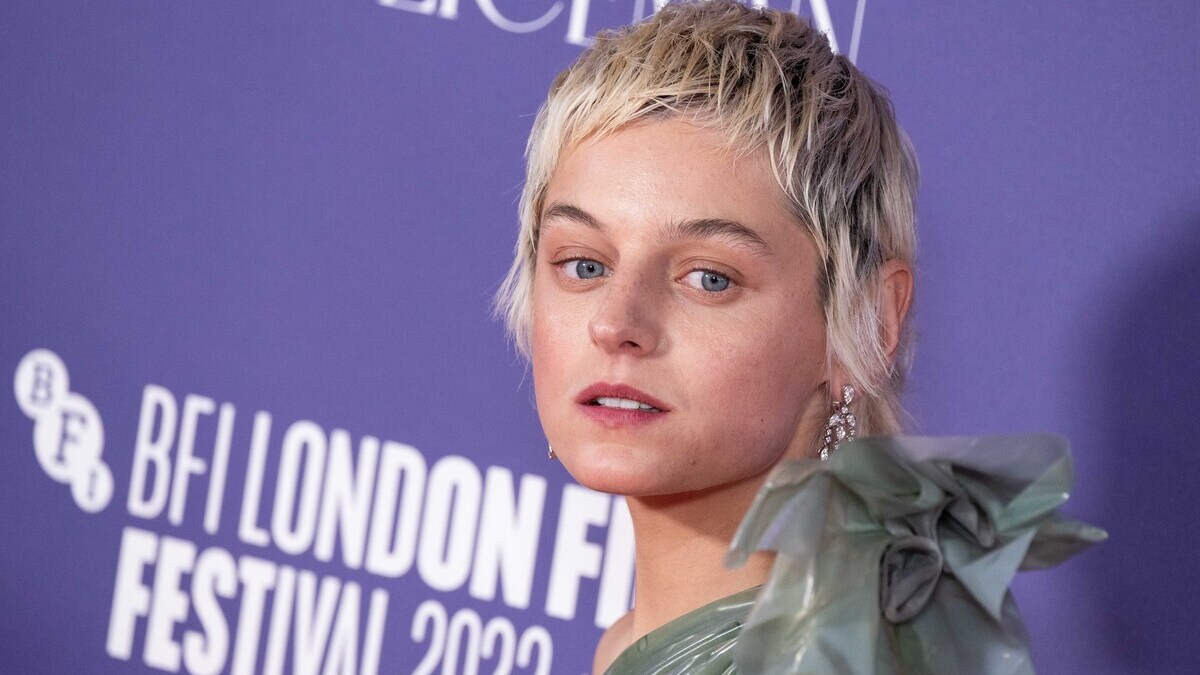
(612, 643)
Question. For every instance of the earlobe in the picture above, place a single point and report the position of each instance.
(895, 296)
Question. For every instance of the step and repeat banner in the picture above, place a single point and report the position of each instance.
(262, 420)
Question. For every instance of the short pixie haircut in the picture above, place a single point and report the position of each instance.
(766, 79)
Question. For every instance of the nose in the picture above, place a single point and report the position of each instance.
(626, 322)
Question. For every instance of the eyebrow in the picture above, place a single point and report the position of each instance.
(699, 228)
(561, 211)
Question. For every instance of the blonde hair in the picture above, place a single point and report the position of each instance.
(767, 79)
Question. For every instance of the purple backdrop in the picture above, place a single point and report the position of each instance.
(216, 214)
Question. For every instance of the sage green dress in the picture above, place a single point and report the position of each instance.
(895, 556)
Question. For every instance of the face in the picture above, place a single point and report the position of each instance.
(678, 342)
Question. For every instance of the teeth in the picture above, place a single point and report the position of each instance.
(624, 403)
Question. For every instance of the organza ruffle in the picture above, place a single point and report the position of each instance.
(895, 556)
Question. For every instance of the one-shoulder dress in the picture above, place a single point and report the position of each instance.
(895, 556)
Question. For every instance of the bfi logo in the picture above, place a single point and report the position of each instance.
(68, 436)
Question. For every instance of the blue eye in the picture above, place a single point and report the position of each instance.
(708, 280)
(584, 269)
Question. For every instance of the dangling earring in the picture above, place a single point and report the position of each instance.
(842, 423)
(550, 451)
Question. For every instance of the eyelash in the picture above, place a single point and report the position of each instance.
(563, 267)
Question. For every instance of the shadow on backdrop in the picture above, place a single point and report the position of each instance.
(1149, 434)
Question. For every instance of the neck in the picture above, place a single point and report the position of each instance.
(681, 542)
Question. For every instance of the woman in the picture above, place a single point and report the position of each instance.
(713, 281)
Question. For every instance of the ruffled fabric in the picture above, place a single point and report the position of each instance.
(896, 555)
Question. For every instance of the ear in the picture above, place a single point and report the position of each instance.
(894, 296)
(894, 293)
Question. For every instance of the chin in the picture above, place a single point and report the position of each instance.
(614, 481)
(603, 470)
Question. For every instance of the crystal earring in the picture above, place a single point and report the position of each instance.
(842, 423)
(550, 451)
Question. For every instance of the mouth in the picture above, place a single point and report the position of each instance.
(619, 397)
(622, 404)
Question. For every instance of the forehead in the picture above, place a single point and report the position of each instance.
(666, 171)
(667, 155)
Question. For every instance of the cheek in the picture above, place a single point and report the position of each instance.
(759, 383)
(551, 330)
(544, 342)
(557, 330)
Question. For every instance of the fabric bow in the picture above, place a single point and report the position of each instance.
(895, 556)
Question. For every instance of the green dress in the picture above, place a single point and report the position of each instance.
(895, 556)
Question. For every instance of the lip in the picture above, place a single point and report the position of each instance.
(607, 390)
(615, 417)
